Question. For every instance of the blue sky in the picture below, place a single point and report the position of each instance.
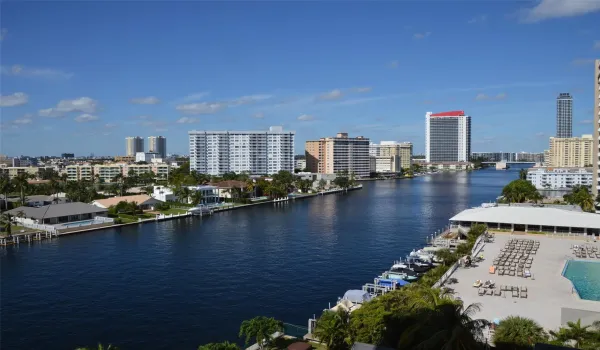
(80, 76)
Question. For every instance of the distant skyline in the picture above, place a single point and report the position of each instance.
(79, 77)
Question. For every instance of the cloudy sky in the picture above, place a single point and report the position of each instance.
(81, 76)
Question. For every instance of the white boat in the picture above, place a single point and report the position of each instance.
(200, 209)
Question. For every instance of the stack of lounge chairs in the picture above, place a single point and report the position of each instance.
(515, 291)
(586, 251)
(516, 258)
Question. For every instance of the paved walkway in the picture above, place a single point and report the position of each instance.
(547, 293)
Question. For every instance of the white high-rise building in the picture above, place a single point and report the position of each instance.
(158, 144)
(257, 152)
(596, 126)
(447, 137)
(133, 145)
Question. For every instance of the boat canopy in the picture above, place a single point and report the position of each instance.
(357, 296)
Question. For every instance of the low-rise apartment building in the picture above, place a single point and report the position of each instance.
(13, 172)
(79, 172)
(386, 164)
(559, 178)
(392, 148)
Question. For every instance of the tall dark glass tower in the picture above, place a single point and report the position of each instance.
(564, 115)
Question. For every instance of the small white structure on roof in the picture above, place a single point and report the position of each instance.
(540, 219)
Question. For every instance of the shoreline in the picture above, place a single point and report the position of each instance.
(30, 237)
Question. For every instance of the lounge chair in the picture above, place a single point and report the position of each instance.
(481, 291)
(515, 294)
(524, 295)
(489, 291)
(511, 272)
(497, 292)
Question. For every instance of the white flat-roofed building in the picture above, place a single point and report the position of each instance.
(146, 156)
(385, 164)
(559, 178)
(256, 152)
(529, 218)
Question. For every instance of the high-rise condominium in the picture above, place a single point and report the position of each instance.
(571, 152)
(447, 137)
(158, 144)
(331, 155)
(596, 126)
(257, 152)
(133, 144)
(564, 115)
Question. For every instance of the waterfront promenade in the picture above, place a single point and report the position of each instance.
(548, 292)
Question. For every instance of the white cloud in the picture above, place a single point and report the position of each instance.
(187, 120)
(331, 95)
(305, 117)
(84, 118)
(45, 73)
(110, 125)
(150, 100)
(81, 104)
(259, 115)
(582, 61)
(362, 89)
(26, 119)
(394, 64)
(484, 97)
(16, 99)
(3, 33)
(193, 97)
(597, 45)
(478, 19)
(201, 107)
(249, 99)
(587, 121)
(548, 9)
(421, 35)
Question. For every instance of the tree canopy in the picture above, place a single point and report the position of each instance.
(580, 195)
(520, 191)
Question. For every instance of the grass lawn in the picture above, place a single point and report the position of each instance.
(127, 218)
(173, 211)
(283, 342)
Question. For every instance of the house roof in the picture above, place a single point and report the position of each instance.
(139, 199)
(230, 184)
(449, 114)
(530, 216)
(57, 210)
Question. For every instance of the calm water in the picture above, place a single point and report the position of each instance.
(182, 283)
(585, 275)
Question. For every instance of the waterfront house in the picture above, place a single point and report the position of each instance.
(210, 194)
(224, 187)
(143, 201)
(57, 213)
(316, 178)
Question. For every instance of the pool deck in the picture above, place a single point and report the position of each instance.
(547, 293)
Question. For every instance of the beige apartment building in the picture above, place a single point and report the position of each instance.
(13, 172)
(391, 149)
(596, 125)
(571, 152)
(331, 155)
(79, 172)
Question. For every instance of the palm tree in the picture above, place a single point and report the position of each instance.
(99, 347)
(6, 224)
(260, 328)
(21, 183)
(333, 329)
(448, 258)
(516, 331)
(196, 197)
(430, 298)
(5, 187)
(450, 326)
(219, 346)
(523, 174)
(574, 332)
(56, 186)
(119, 179)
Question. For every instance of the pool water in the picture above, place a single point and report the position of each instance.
(79, 223)
(585, 276)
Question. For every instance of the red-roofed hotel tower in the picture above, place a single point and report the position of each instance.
(447, 137)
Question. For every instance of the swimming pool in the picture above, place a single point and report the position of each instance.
(80, 223)
(585, 276)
